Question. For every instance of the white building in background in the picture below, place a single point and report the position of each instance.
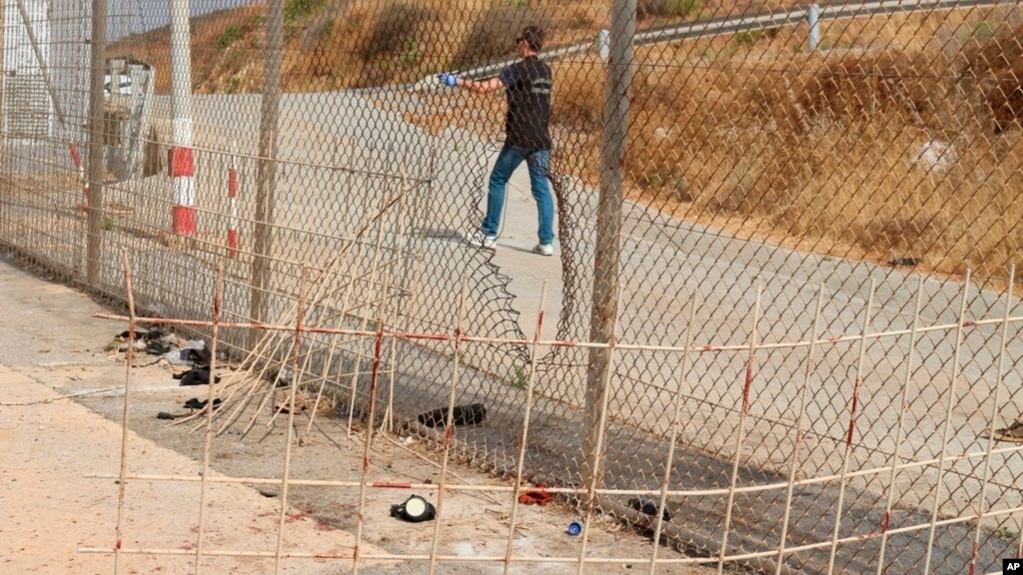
(45, 89)
(28, 109)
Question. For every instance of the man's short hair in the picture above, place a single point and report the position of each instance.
(533, 35)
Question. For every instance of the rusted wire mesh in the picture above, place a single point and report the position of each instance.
(801, 325)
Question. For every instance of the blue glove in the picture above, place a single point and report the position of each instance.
(448, 79)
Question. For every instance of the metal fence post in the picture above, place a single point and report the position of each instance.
(266, 167)
(604, 45)
(606, 262)
(94, 220)
(813, 14)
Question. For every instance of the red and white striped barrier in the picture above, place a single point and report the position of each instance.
(181, 164)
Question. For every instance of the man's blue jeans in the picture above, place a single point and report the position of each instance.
(538, 162)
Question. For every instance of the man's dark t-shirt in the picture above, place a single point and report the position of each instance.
(528, 85)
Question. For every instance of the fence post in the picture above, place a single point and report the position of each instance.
(813, 14)
(604, 45)
(606, 261)
(266, 167)
(180, 162)
(97, 101)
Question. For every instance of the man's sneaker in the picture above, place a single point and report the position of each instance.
(482, 240)
(1012, 433)
(543, 249)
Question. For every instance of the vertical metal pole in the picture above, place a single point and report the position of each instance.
(604, 314)
(180, 162)
(266, 168)
(813, 20)
(604, 45)
(94, 220)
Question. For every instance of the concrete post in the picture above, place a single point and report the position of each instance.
(180, 161)
(813, 14)
(97, 103)
(606, 263)
(266, 167)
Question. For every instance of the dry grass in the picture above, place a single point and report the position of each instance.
(902, 138)
(834, 151)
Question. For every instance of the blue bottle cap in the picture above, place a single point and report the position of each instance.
(575, 528)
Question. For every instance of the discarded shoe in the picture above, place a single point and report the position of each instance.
(196, 356)
(158, 347)
(196, 403)
(196, 376)
(471, 414)
(649, 507)
(139, 334)
(1012, 433)
(150, 334)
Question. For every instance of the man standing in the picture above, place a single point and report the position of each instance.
(527, 84)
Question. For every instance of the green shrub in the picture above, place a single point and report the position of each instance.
(229, 36)
(747, 38)
(295, 10)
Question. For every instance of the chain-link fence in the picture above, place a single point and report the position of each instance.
(781, 301)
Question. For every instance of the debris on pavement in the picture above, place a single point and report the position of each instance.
(196, 376)
(415, 509)
(196, 403)
(537, 495)
(472, 414)
(648, 507)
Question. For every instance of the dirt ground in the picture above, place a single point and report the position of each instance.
(62, 402)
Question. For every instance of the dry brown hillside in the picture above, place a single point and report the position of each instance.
(334, 44)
